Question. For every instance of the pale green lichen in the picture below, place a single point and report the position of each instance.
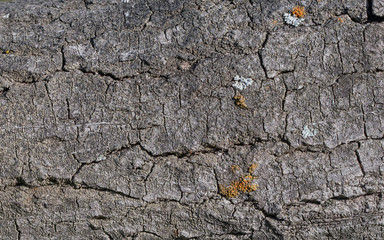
(308, 132)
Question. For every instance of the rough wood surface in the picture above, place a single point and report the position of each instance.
(117, 119)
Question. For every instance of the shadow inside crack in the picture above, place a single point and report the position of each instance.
(371, 16)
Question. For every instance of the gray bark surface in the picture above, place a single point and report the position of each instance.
(117, 119)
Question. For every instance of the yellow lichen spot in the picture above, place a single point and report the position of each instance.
(235, 168)
(274, 21)
(254, 187)
(340, 19)
(229, 191)
(298, 11)
(240, 101)
(7, 52)
(243, 184)
(252, 168)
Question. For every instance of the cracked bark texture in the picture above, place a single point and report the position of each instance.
(117, 119)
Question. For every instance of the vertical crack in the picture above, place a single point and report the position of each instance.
(164, 119)
(106, 233)
(3, 92)
(148, 20)
(285, 96)
(370, 10)
(365, 127)
(339, 52)
(359, 159)
(261, 57)
(50, 101)
(18, 230)
(63, 60)
(217, 181)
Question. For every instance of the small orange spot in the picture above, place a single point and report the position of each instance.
(298, 11)
(274, 21)
(240, 101)
(340, 19)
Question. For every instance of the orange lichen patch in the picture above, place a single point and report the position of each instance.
(252, 168)
(240, 101)
(235, 168)
(274, 21)
(244, 184)
(340, 19)
(298, 11)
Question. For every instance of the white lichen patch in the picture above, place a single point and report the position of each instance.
(125, 1)
(292, 20)
(241, 83)
(308, 132)
(100, 158)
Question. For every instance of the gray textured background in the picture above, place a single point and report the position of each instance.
(117, 119)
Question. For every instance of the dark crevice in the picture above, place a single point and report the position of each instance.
(237, 233)
(359, 159)
(340, 198)
(217, 181)
(109, 75)
(265, 213)
(109, 235)
(150, 16)
(87, 3)
(59, 181)
(100, 217)
(4, 91)
(92, 41)
(371, 16)
(312, 201)
(20, 182)
(73, 183)
(208, 149)
(18, 230)
(276, 232)
(68, 109)
(253, 143)
(283, 101)
(153, 234)
(53, 181)
(63, 60)
(101, 73)
(261, 57)
(345, 198)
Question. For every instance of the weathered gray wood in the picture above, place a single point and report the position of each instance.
(117, 119)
